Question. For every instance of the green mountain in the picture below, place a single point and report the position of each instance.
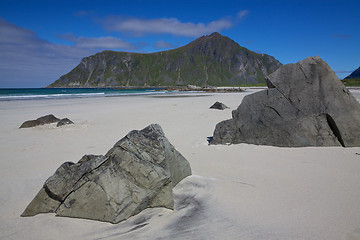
(212, 60)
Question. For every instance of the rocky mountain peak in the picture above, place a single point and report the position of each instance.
(209, 60)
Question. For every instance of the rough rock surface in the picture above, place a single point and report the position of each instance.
(305, 105)
(139, 172)
(219, 106)
(40, 121)
(64, 121)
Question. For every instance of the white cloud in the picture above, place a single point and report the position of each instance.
(165, 26)
(14, 35)
(103, 42)
(163, 45)
(26, 60)
(243, 14)
(99, 43)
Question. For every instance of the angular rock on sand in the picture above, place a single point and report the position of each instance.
(305, 105)
(64, 121)
(40, 121)
(139, 172)
(219, 106)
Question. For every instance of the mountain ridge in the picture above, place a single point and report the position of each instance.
(354, 74)
(213, 60)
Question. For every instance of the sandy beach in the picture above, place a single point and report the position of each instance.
(236, 192)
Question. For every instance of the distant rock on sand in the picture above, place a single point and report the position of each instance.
(40, 121)
(219, 106)
(305, 105)
(139, 172)
(64, 121)
(46, 120)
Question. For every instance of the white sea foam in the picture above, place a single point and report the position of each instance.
(48, 96)
(31, 94)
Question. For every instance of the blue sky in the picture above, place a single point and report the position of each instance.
(42, 40)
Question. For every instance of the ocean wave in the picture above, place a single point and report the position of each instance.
(33, 94)
(48, 96)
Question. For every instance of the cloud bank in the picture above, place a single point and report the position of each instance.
(29, 61)
(99, 43)
(171, 26)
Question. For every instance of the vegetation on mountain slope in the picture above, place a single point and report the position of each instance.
(212, 60)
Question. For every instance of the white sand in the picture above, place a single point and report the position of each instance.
(237, 192)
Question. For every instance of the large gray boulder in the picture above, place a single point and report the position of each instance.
(305, 105)
(139, 172)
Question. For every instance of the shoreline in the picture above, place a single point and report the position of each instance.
(62, 93)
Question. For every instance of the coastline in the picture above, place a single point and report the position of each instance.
(11, 94)
(238, 191)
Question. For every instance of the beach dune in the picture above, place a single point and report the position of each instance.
(238, 191)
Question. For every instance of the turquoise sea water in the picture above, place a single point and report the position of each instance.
(58, 93)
